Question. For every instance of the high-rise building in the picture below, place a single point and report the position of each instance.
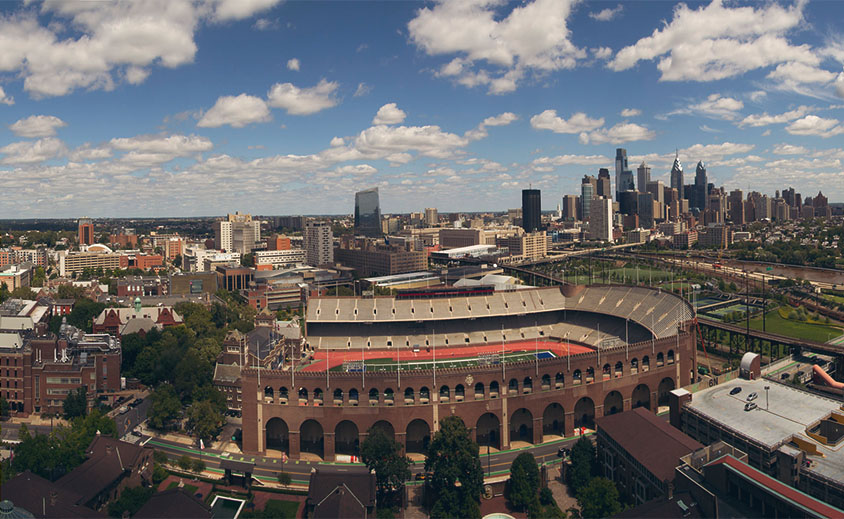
(677, 176)
(587, 194)
(604, 183)
(368, 213)
(319, 243)
(600, 219)
(657, 189)
(645, 205)
(701, 189)
(238, 232)
(620, 166)
(570, 207)
(737, 214)
(531, 210)
(643, 176)
(432, 217)
(86, 231)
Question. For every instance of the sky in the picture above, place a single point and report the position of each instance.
(198, 108)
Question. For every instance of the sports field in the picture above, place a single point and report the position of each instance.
(776, 323)
(445, 356)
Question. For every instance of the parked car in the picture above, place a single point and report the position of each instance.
(785, 376)
(736, 390)
(752, 396)
(750, 406)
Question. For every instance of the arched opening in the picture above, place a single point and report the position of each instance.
(386, 427)
(634, 366)
(646, 363)
(424, 395)
(278, 435)
(545, 382)
(338, 396)
(513, 387)
(268, 395)
(613, 403)
(418, 436)
(641, 397)
(303, 396)
(487, 431)
(577, 377)
(671, 356)
(318, 396)
(666, 385)
(282, 395)
(660, 359)
(584, 413)
(346, 438)
(493, 389)
(311, 438)
(389, 396)
(527, 385)
(559, 380)
(605, 371)
(408, 396)
(619, 369)
(373, 396)
(459, 393)
(479, 390)
(590, 375)
(521, 426)
(354, 397)
(445, 394)
(553, 420)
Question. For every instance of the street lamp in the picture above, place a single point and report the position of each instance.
(767, 388)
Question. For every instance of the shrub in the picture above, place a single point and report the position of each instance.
(185, 462)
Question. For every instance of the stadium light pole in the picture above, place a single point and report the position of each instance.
(434, 345)
(536, 347)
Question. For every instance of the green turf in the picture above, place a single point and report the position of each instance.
(281, 509)
(833, 298)
(391, 365)
(775, 323)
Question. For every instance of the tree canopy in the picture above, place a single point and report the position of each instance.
(582, 464)
(523, 487)
(599, 498)
(456, 479)
(76, 403)
(383, 455)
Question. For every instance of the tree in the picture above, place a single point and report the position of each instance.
(198, 466)
(457, 478)
(383, 455)
(76, 403)
(248, 260)
(131, 500)
(177, 261)
(160, 457)
(204, 420)
(599, 498)
(165, 406)
(83, 313)
(4, 407)
(284, 478)
(159, 474)
(582, 464)
(184, 462)
(524, 482)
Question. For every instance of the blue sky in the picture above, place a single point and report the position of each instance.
(167, 108)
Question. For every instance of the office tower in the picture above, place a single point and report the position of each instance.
(319, 243)
(645, 205)
(788, 196)
(238, 232)
(600, 219)
(570, 207)
(620, 166)
(677, 175)
(628, 202)
(737, 215)
(700, 193)
(367, 213)
(86, 232)
(643, 176)
(604, 183)
(531, 210)
(657, 189)
(587, 194)
(432, 217)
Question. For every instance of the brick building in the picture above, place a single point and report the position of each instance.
(122, 321)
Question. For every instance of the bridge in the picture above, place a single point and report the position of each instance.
(739, 337)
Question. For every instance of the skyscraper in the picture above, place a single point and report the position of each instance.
(531, 210)
(600, 219)
(620, 167)
(432, 217)
(587, 194)
(86, 232)
(604, 183)
(701, 193)
(238, 232)
(677, 176)
(643, 176)
(368, 213)
(570, 207)
(319, 243)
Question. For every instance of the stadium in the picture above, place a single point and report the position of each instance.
(519, 367)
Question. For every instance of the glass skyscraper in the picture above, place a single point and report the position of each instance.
(367, 213)
(531, 210)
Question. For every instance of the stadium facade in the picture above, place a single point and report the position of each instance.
(605, 349)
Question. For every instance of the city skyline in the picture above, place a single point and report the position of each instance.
(203, 109)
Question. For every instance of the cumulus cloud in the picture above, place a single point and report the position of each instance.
(716, 42)
(293, 64)
(88, 152)
(390, 113)
(757, 95)
(225, 10)
(362, 89)
(37, 126)
(303, 101)
(814, 125)
(605, 15)
(496, 50)
(549, 163)
(149, 150)
(235, 111)
(618, 134)
(577, 123)
(32, 152)
(718, 107)
(710, 151)
(631, 112)
(4, 99)
(764, 119)
(789, 149)
(502, 119)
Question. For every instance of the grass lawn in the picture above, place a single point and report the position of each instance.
(190, 489)
(833, 298)
(775, 323)
(281, 509)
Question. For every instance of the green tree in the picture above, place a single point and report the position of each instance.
(582, 464)
(39, 277)
(177, 261)
(131, 500)
(599, 498)
(522, 488)
(165, 406)
(76, 403)
(83, 313)
(4, 407)
(159, 474)
(383, 455)
(198, 465)
(284, 478)
(204, 420)
(248, 260)
(160, 457)
(185, 463)
(457, 477)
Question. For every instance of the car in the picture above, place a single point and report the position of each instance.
(562, 452)
(135, 433)
(785, 376)
(422, 476)
(752, 396)
(735, 391)
(750, 406)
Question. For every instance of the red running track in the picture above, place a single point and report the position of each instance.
(337, 358)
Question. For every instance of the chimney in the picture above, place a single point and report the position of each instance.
(54, 496)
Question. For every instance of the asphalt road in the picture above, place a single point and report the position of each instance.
(134, 416)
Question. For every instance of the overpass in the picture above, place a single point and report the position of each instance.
(738, 335)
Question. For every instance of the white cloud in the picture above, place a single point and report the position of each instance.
(236, 111)
(814, 125)
(549, 163)
(337, 141)
(4, 99)
(757, 95)
(431, 141)
(37, 126)
(789, 149)
(531, 37)
(225, 10)
(293, 64)
(716, 42)
(502, 119)
(796, 72)
(32, 152)
(88, 152)
(577, 123)
(362, 89)
(390, 113)
(708, 129)
(136, 75)
(718, 107)
(764, 119)
(303, 101)
(605, 15)
(713, 151)
(631, 112)
(839, 85)
(151, 150)
(618, 134)
(602, 53)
